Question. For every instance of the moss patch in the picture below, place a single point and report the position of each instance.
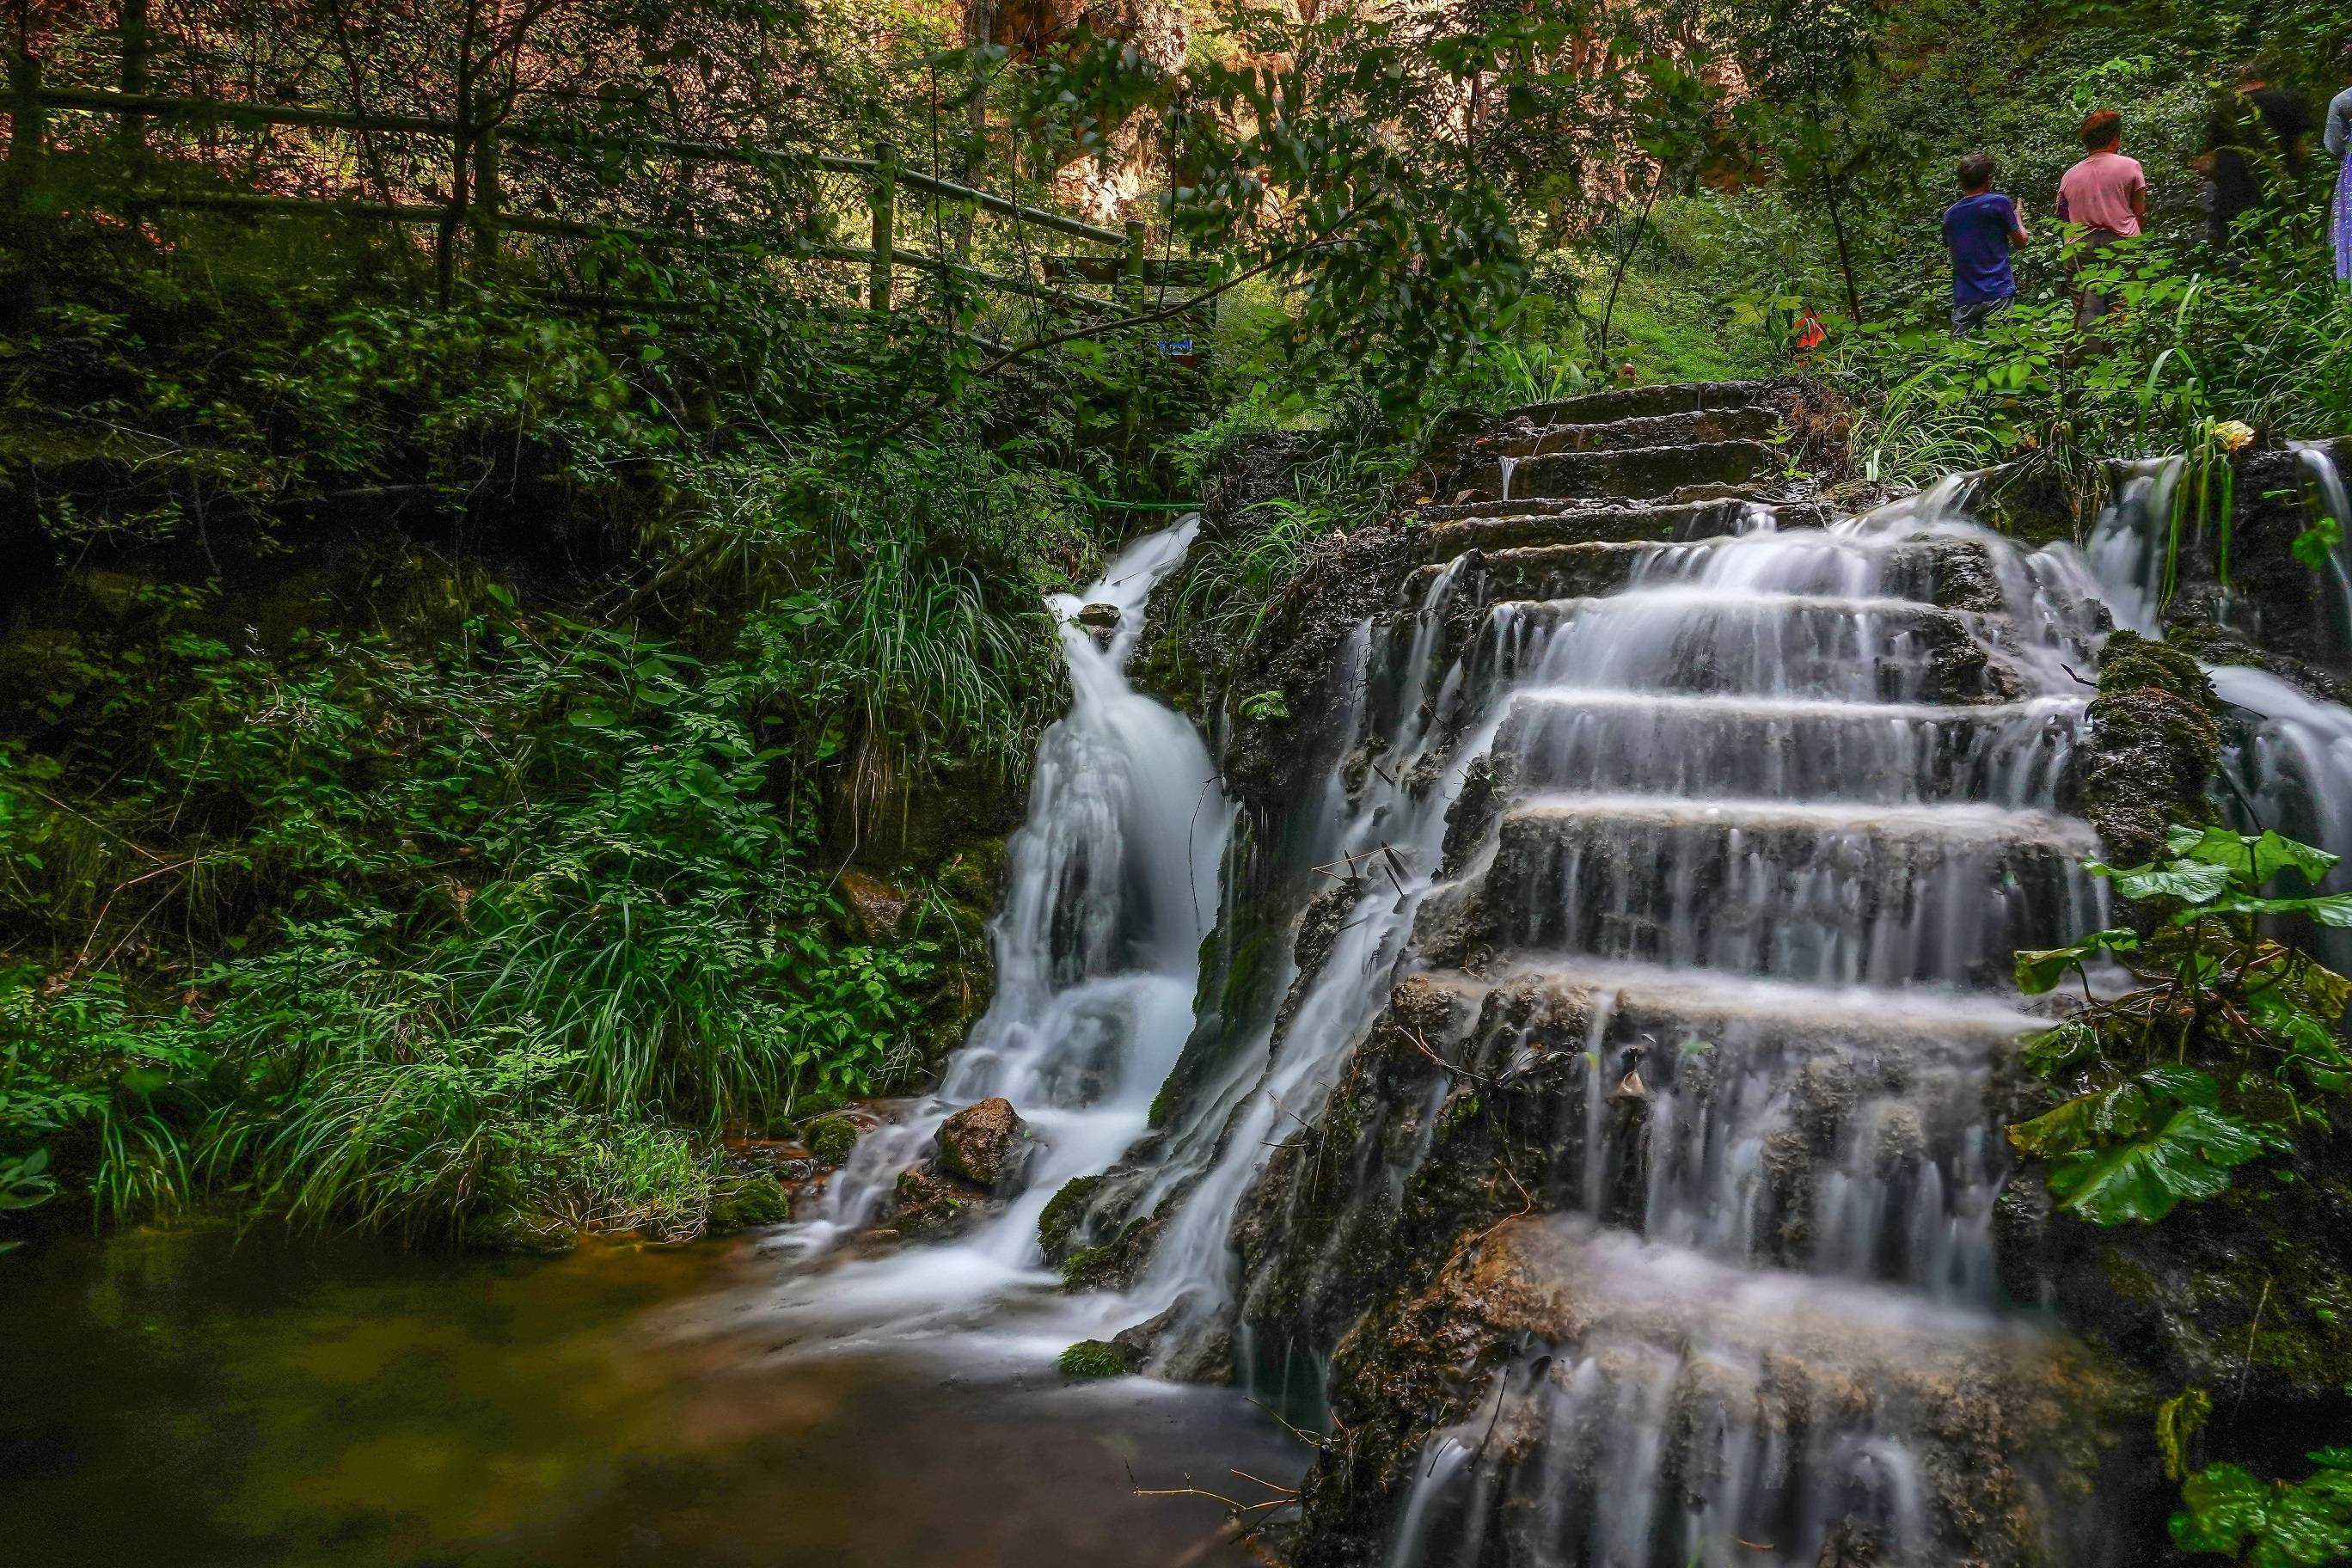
(830, 1137)
(752, 1202)
(1062, 1213)
(1110, 1265)
(1093, 1358)
(2154, 743)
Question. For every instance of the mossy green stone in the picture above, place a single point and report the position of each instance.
(753, 1201)
(1093, 1358)
(1063, 1212)
(831, 1138)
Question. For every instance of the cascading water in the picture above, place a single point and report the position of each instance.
(1705, 856)
(2288, 757)
(2128, 541)
(1111, 885)
(1769, 815)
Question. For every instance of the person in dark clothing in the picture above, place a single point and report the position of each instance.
(1981, 228)
(2256, 153)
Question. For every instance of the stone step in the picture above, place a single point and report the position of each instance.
(2011, 754)
(1946, 572)
(1560, 993)
(1631, 474)
(1700, 639)
(1654, 402)
(1450, 530)
(1824, 894)
(1751, 423)
(1650, 1405)
(1844, 1130)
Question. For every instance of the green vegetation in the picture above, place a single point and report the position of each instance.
(2219, 1057)
(2270, 1524)
(1057, 1222)
(2229, 1051)
(452, 671)
(1093, 1358)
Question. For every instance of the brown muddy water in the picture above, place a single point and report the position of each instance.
(179, 1399)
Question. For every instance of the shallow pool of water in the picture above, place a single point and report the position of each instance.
(182, 1399)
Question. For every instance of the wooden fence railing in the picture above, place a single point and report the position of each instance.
(477, 207)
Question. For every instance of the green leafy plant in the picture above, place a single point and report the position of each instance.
(2214, 1059)
(2270, 1524)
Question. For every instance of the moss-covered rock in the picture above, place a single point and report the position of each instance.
(1093, 1358)
(984, 1143)
(930, 1204)
(831, 1138)
(2152, 748)
(1058, 1223)
(1114, 1264)
(522, 1235)
(749, 1203)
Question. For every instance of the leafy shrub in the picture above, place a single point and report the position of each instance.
(2215, 1059)
(2270, 1524)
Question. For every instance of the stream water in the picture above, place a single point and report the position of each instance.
(1773, 809)
(176, 1399)
(185, 1400)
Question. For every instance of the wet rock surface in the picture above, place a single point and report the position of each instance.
(984, 1143)
(1491, 1392)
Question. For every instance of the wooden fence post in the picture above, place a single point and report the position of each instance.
(886, 203)
(484, 208)
(26, 132)
(131, 21)
(1131, 268)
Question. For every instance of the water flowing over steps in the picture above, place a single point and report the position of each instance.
(1621, 1157)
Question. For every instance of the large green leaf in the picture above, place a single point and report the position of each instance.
(2191, 882)
(2085, 1123)
(2040, 969)
(2189, 1157)
(2173, 1083)
(2329, 910)
(2268, 1524)
(2257, 857)
(2057, 1049)
(2281, 977)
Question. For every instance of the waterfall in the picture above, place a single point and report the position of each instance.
(2128, 542)
(2319, 469)
(2287, 754)
(1774, 810)
(1765, 815)
(1111, 884)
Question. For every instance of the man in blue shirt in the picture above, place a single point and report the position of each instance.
(1981, 228)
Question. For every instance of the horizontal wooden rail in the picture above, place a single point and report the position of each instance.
(99, 102)
(476, 209)
(567, 228)
(1043, 219)
(1046, 291)
(296, 206)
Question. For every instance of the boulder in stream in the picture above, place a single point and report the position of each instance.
(986, 1145)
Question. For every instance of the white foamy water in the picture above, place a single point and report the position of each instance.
(1111, 884)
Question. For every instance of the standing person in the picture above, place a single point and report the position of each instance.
(2256, 153)
(1981, 228)
(2338, 138)
(2102, 199)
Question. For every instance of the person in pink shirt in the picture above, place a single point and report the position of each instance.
(2101, 200)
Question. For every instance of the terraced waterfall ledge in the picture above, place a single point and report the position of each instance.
(1592, 1114)
(1623, 1154)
